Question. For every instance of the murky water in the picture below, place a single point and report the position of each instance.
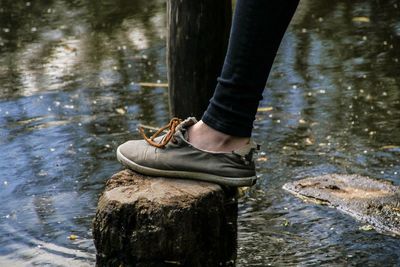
(69, 74)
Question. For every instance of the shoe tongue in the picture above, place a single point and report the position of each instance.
(184, 125)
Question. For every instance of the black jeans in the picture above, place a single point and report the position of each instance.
(257, 30)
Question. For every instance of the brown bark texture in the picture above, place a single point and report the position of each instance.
(198, 33)
(147, 221)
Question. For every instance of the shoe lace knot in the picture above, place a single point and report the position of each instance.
(171, 126)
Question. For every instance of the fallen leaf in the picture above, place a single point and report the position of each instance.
(73, 237)
(153, 84)
(262, 159)
(361, 19)
(241, 191)
(285, 222)
(309, 141)
(265, 109)
(69, 48)
(366, 227)
(120, 111)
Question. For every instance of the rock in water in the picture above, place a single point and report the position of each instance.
(376, 202)
(147, 221)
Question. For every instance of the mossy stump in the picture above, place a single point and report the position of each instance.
(147, 221)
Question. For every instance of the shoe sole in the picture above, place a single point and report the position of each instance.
(228, 181)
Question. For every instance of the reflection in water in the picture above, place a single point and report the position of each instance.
(69, 95)
(334, 90)
(68, 72)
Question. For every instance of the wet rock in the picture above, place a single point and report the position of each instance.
(147, 221)
(376, 202)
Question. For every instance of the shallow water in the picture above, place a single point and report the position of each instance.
(69, 74)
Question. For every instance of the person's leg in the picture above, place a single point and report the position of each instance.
(257, 30)
(188, 149)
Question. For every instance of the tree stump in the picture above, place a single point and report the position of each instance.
(198, 33)
(147, 221)
(376, 202)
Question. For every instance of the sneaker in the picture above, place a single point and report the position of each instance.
(171, 155)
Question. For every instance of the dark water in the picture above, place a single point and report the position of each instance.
(69, 74)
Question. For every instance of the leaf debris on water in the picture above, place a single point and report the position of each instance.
(309, 141)
(366, 227)
(241, 191)
(285, 222)
(120, 111)
(265, 109)
(153, 84)
(262, 159)
(361, 19)
(72, 237)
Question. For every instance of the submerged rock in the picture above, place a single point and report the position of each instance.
(376, 202)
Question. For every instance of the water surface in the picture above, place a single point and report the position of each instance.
(69, 74)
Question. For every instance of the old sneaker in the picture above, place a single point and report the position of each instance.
(171, 155)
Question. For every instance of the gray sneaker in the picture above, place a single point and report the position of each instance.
(171, 155)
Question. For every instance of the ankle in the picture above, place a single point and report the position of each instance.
(202, 136)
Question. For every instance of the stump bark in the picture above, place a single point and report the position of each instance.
(147, 221)
(198, 33)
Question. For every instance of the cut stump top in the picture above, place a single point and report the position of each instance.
(127, 187)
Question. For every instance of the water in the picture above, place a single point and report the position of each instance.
(69, 74)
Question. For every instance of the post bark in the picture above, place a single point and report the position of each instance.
(146, 221)
(198, 32)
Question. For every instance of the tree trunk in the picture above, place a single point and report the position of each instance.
(198, 32)
(146, 221)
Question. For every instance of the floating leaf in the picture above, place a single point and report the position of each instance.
(285, 223)
(241, 191)
(153, 84)
(265, 109)
(361, 19)
(366, 227)
(69, 48)
(120, 111)
(73, 237)
(262, 159)
(309, 141)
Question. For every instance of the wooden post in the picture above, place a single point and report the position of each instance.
(198, 32)
(146, 221)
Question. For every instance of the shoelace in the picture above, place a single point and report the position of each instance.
(173, 123)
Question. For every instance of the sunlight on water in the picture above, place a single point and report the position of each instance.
(71, 75)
